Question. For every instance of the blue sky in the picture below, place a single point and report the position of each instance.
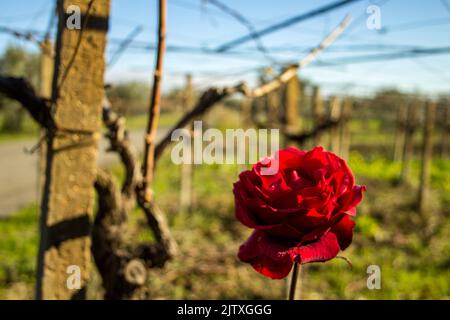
(416, 23)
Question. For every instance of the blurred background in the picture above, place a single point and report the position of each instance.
(385, 81)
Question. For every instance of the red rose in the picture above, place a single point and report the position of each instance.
(300, 213)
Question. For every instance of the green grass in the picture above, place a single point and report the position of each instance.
(30, 130)
(167, 119)
(18, 249)
(389, 233)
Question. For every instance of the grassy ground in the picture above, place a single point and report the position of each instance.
(29, 130)
(413, 251)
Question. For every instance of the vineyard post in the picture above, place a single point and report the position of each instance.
(335, 115)
(246, 112)
(68, 196)
(187, 168)
(399, 141)
(247, 107)
(427, 153)
(408, 147)
(345, 132)
(318, 115)
(273, 108)
(46, 69)
(292, 104)
(445, 131)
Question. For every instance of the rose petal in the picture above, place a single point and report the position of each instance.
(344, 231)
(267, 256)
(326, 248)
(352, 199)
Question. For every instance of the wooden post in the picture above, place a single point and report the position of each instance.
(292, 104)
(345, 131)
(187, 169)
(318, 115)
(273, 104)
(427, 153)
(399, 141)
(64, 253)
(445, 132)
(46, 69)
(408, 147)
(246, 112)
(335, 115)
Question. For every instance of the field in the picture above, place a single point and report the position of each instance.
(413, 251)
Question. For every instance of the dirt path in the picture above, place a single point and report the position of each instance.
(19, 171)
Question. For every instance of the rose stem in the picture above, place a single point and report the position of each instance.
(294, 279)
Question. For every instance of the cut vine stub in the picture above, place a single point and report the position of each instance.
(136, 272)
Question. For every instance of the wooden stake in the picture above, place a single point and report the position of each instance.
(344, 127)
(318, 115)
(408, 148)
(399, 142)
(46, 69)
(335, 115)
(273, 108)
(292, 105)
(427, 152)
(445, 132)
(187, 169)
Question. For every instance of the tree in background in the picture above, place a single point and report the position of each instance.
(129, 98)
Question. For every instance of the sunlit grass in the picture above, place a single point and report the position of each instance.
(388, 233)
(18, 249)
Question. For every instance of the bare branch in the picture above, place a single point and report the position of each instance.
(123, 267)
(119, 143)
(213, 95)
(290, 71)
(208, 99)
(152, 127)
(302, 137)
